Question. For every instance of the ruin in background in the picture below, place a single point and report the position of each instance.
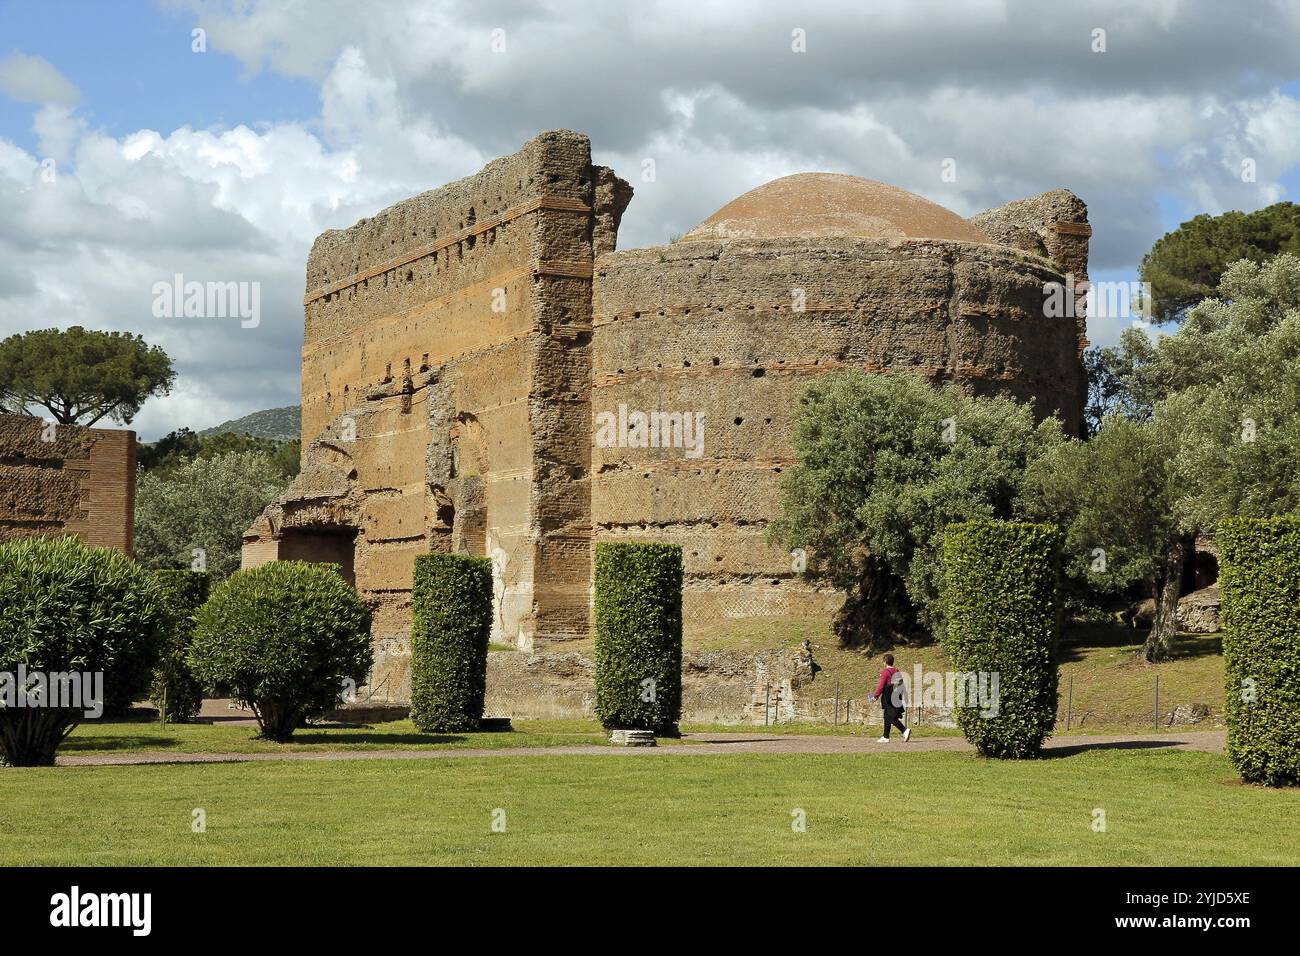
(464, 347)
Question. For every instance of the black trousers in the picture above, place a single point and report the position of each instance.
(893, 718)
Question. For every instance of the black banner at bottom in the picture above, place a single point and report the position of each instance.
(243, 906)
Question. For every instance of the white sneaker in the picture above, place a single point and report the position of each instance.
(883, 740)
(906, 734)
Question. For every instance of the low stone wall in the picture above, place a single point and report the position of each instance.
(723, 687)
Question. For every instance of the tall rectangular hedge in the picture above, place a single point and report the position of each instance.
(173, 684)
(1004, 612)
(451, 605)
(639, 636)
(1259, 575)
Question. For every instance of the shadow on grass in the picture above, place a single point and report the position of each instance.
(116, 742)
(1077, 638)
(377, 740)
(1051, 753)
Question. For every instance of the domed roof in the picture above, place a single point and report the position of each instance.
(808, 205)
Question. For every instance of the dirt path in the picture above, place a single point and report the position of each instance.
(1210, 741)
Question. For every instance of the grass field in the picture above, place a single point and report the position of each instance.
(1162, 808)
(135, 735)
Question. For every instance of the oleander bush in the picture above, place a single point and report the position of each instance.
(1259, 574)
(69, 609)
(176, 692)
(288, 639)
(639, 636)
(1003, 595)
(451, 624)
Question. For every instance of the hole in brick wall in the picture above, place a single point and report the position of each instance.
(424, 362)
(716, 360)
(767, 421)
(326, 545)
(759, 372)
(352, 475)
(739, 420)
(686, 363)
(410, 275)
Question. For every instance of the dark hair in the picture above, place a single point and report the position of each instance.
(889, 660)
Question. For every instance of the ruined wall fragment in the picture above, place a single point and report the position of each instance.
(66, 479)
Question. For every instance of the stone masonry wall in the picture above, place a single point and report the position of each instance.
(81, 481)
(445, 363)
(713, 327)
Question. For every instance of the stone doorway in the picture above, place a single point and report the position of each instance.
(327, 545)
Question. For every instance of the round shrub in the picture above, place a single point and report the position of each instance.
(451, 606)
(284, 639)
(69, 609)
(639, 636)
(175, 690)
(1003, 599)
(1259, 574)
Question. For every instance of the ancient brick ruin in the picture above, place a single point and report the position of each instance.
(482, 372)
(65, 479)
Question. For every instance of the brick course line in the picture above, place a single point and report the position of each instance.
(553, 203)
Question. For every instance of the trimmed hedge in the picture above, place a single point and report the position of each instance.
(1259, 575)
(283, 638)
(173, 684)
(69, 609)
(451, 611)
(1003, 598)
(639, 636)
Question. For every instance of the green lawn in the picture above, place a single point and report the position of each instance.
(94, 737)
(1162, 808)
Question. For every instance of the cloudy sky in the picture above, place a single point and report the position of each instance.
(127, 157)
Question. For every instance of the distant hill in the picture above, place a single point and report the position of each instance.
(281, 423)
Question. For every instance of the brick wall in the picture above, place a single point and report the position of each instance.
(67, 480)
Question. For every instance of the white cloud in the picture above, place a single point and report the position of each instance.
(32, 79)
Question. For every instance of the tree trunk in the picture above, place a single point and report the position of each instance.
(1168, 589)
(876, 613)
